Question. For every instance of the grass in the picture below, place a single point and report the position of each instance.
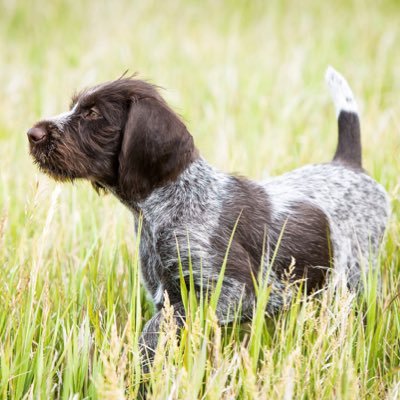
(248, 79)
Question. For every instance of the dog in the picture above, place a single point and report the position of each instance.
(316, 221)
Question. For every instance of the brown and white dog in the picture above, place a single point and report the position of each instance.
(124, 138)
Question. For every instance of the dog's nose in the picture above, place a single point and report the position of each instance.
(36, 134)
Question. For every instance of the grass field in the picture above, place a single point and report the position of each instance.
(247, 77)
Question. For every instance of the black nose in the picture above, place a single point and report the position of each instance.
(36, 135)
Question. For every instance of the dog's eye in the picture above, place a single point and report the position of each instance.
(92, 113)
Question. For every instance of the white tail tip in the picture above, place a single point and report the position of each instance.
(341, 93)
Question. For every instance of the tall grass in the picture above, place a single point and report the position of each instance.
(247, 78)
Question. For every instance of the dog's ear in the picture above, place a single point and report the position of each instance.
(156, 148)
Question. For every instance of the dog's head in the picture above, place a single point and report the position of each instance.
(119, 134)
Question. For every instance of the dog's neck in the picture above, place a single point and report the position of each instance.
(189, 195)
(185, 198)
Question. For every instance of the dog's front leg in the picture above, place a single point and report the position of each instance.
(233, 297)
(149, 337)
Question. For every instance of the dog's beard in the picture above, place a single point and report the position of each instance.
(48, 160)
(55, 172)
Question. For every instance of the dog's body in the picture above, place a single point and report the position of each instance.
(124, 138)
(307, 204)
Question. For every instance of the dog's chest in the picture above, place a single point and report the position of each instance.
(162, 252)
(151, 266)
(168, 251)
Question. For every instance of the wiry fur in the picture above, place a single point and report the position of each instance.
(123, 137)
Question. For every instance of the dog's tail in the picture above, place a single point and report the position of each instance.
(348, 150)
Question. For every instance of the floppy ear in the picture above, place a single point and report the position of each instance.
(156, 148)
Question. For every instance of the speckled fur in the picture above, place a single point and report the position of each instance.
(186, 212)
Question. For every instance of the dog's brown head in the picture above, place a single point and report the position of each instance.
(119, 134)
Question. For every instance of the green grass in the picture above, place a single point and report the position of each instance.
(248, 79)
